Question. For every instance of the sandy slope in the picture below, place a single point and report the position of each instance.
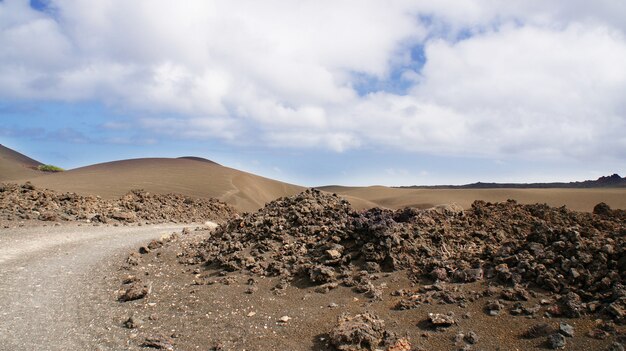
(245, 191)
(14, 165)
(575, 199)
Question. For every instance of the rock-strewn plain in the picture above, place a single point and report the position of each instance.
(26, 202)
(310, 272)
(579, 257)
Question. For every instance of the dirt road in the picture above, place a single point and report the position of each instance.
(52, 295)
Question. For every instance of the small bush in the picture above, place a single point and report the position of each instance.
(50, 168)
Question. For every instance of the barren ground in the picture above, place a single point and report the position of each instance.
(54, 294)
(217, 313)
(396, 198)
(60, 287)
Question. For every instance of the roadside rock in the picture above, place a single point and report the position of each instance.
(158, 342)
(360, 332)
(133, 323)
(135, 291)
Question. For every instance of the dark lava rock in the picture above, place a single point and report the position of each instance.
(439, 274)
(615, 347)
(518, 309)
(602, 209)
(27, 201)
(360, 332)
(124, 216)
(132, 322)
(538, 330)
(429, 294)
(566, 330)
(441, 320)
(617, 309)
(49, 216)
(468, 275)
(133, 259)
(155, 244)
(516, 293)
(158, 342)
(571, 305)
(598, 334)
(493, 308)
(322, 274)
(130, 279)
(471, 337)
(135, 292)
(556, 341)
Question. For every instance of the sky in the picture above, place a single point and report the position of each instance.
(318, 92)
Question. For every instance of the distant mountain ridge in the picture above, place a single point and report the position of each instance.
(612, 181)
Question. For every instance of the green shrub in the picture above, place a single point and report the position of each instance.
(50, 168)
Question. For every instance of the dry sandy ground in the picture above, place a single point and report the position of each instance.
(52, 295)
(396, 198)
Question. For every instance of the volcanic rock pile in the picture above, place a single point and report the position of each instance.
(365, 332)
(26, 202)
(578, 257)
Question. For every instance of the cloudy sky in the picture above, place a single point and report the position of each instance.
(322, 91)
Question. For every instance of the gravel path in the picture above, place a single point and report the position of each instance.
(50, 283)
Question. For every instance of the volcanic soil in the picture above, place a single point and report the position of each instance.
(310, 273)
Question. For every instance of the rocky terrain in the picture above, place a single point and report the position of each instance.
(28, 203)
(443, 278)
(310, 272)
(579, 256)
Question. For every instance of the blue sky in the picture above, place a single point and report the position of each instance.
(317, 92)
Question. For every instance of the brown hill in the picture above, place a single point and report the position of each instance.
(195, 158)
(198, 178)
(396, 198)
(16, 166)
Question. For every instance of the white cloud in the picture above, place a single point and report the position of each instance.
(524, 89)
(526, 78)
